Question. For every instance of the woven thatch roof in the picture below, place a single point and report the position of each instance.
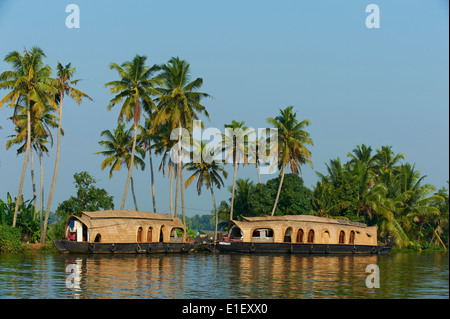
(326, 229)
(123, 225)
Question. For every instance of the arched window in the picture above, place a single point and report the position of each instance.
(287, 235)
(139, 235)
(342, 237)
(161, 234)
(262, 235)
(98, 238)
(300, 236)
(176, 235)
(311, 236)
(149, 234)
(351, 239)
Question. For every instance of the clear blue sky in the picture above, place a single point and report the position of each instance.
(386, 86)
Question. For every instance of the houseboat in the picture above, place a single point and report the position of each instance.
(124, 231)
(302, 234)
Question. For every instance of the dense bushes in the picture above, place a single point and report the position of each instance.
(10, 239)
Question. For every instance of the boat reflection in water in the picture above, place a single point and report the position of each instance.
(218, 276)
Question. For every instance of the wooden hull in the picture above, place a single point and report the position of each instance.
(65, 246)
(240, 247)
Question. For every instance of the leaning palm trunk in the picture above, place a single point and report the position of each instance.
(153, 181)
(33, 181)
(177, 181)
(25, 161)
(130, 169)
(215, 215)
(134, 195)
(180, 175)
(233, 189)
(55, 172)
(182, 196)
(171, 190)
(41, 206)
(279, 191)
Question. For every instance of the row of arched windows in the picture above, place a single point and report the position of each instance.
(351, 239)
(140, 234)
(140, 238)
(310, 238)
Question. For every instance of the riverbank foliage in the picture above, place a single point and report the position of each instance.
(10, 239)
(379, 188)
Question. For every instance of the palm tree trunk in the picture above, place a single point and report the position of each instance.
(279, 191)
(55, 172)
(257, 170)
(233, 189)
(130, 169)
(134, 195)
(33, 181)
(182, 196)
(180, 173)
(215, 214)
(153, 181)
(41, 207)
(171, 190)
(25, 161)
(176, 193)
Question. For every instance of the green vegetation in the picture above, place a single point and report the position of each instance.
(378, 188)
(10, 239)
(88, 198)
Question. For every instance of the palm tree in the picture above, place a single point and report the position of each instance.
(413, 203)
(41, 121)
(147, 137)
(118, 146)
(65, 86)
(234, 147)
(136, 86)
(207, 174)
(164, 147)
(291, 144)
(179, 104)
(30, 80)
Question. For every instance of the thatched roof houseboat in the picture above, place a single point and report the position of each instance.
(126, 231)
(300, 234)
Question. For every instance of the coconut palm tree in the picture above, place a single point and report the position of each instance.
(118, 146)
(136, 88)
(41, 121)
(179, 104)
(148, 136)
(234, 148)
(65, 86)
(208, 174)
(413, 203)
(292, 141)
(164, 147)
(30, 80)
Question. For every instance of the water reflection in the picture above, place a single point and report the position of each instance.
(221, 276)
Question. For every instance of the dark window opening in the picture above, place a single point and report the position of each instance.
(300, 236)
(311, 236)
(149, 234)
(139, 235)
(351, 239)
(341, 237)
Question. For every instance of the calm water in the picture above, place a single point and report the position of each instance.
(402, 275)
